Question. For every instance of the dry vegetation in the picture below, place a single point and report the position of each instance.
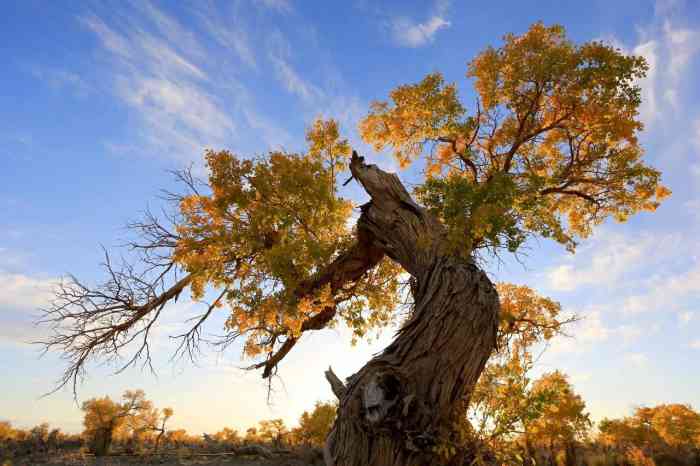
(133, 431)
(554, 430)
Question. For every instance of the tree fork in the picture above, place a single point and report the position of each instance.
(403, 401)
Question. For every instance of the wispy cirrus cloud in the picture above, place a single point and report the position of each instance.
(281, 6)
(60, 79)
(410, 33)
(162, 85)
(280, 55)
(184, 97)
(668, 51)
(232, 33)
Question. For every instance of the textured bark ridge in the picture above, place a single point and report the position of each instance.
(394, 410)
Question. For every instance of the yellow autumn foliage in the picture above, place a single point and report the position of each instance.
(551, 149)
(268, 225)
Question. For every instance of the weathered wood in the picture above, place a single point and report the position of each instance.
(397, 407)
(337, 385)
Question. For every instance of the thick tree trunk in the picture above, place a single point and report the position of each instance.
(398, 407)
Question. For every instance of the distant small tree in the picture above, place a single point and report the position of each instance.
(177, 437)
(662, 429)
(40, 432)
(563, 419)
(54, 439)
(315, 426)
(503, 401)
(227, 436)
(677, 424)
(105, 418)
(165, 416)
(7, 432)
(273, 431)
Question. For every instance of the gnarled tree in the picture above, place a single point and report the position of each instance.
(551, 150)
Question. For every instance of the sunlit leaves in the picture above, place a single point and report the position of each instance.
(563, 417)
(660, 428)
(506, 402)
(420, 112)
(314, 426)
(265, 229)
(134, 417)
(526, 319)
(558, 120)
(479, 209)
(326, 146)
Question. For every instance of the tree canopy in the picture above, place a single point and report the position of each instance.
(551, 149)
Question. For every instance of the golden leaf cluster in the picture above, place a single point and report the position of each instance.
(266, 227)
(551, 149)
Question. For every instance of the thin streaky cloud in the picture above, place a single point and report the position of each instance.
(280, 6)
(410, 33)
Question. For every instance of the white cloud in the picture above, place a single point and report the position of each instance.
(171, 106)
(629, 333)
(22, 292)
(605, 259)
(649, 108)
(163, 84)
(678, 286)
(593, 328)
(410, 33)
(639, 360)
(684, 318)
(230, 34)
(668, 50)
(59, 79)
(292, 81)
(696, 134)
(671, 96)
(581, 377)
(281, 6)
(693, 205)
(21, 298)
(110, 39)
(279, 53)
(683, 44)
(563, 278)
(590, 330)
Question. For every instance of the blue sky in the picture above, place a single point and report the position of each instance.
(99, 99)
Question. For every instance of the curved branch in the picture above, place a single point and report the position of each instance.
(104, 320)
(347, 268)
(571, 192)
(337, 386)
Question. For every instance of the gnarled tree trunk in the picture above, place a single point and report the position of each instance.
(396, 409)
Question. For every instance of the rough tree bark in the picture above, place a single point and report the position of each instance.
(395, 409)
